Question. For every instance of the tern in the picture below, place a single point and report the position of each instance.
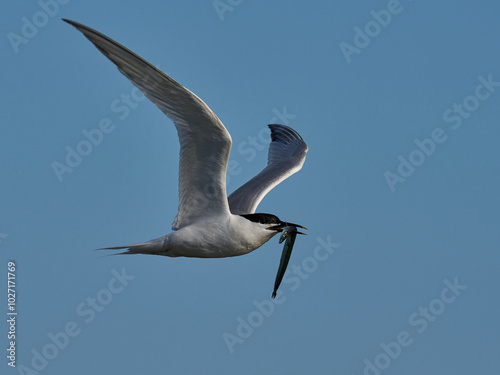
(209, 224)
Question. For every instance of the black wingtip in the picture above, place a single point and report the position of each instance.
(273, 295)
(72, 23)
(283, 133)
(79, 26)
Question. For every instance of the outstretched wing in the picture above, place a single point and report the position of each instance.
(287, 153)
(205, 142)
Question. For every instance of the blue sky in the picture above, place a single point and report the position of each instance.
(398, 102)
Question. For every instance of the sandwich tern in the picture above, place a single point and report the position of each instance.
(209, 224)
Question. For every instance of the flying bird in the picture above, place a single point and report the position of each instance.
(209, 224)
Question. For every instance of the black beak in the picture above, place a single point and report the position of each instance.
(281, 226)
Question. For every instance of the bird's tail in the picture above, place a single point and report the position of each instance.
(154, 247)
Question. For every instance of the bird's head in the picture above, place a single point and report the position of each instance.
(271, 222)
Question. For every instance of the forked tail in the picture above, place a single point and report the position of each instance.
(154, 247)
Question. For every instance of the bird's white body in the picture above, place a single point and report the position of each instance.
(217, 237)
(209, 224)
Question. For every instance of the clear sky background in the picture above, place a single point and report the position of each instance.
(400, 271)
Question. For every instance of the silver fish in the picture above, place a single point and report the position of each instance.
(289, 233)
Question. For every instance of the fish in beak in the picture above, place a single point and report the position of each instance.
(288, 233)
